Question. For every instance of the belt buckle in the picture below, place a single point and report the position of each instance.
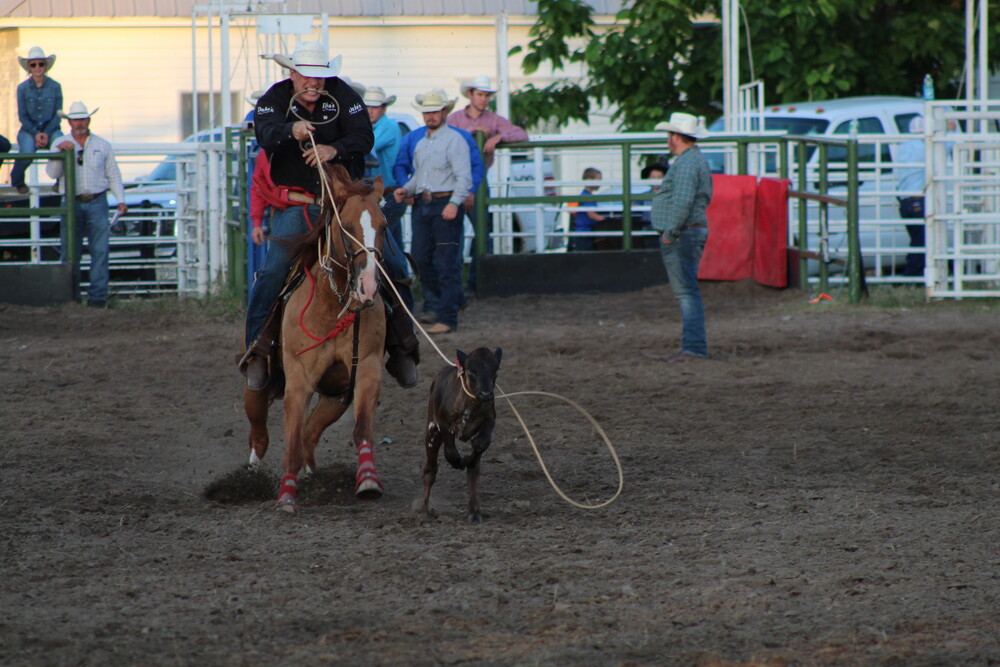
(426, 195)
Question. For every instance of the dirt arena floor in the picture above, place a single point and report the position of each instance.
(824, 491)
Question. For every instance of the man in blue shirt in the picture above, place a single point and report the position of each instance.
(39, 100)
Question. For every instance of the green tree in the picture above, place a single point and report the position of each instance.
(657, 59)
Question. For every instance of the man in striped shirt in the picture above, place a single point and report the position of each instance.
(96, 173)
(678, 213)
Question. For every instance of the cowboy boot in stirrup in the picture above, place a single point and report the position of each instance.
(256, 361)
(401, 343)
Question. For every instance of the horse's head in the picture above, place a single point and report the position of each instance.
(362, 232)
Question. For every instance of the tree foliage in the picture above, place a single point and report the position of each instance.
(656, 59)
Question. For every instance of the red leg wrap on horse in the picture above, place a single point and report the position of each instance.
(366, 466)
(288, 491)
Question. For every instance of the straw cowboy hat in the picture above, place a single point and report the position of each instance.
(311, 59)
(481, 82)
(683, 123)
(375, 97)
(77, 111)
(433, 100)
(36, 53)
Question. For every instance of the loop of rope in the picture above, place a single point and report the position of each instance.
(538, 454)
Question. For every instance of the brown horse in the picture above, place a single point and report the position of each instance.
(332, 338)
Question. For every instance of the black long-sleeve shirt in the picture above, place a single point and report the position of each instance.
(349, 131)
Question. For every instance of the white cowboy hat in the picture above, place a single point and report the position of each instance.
(916, 125)
(682, 123)
(311, 59)
(481, 82)
(433, 100)
(36, 53)
(375, 97)
(77, 111)
(255, 95)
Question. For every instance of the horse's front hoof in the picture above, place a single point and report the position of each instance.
(368, 490)
(367, 485)
(287, 505)
(475, 516)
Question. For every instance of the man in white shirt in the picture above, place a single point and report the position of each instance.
(96, 173)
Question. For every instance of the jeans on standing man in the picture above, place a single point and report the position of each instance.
(436, 248)
(92, 222)
(681, 259)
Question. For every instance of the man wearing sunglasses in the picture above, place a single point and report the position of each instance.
(96, 173)
(39, 99)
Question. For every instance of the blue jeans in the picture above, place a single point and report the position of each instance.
(26, 144)
(436, 247)
(393, 258)
(92, 221)
(681, 259)
(270, 278)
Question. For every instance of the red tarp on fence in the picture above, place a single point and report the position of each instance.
(748, 231)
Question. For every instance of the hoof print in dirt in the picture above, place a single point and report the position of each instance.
(243, 485)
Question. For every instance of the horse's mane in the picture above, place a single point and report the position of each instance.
(304, 247)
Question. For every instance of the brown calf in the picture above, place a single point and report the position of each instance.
(461, 405)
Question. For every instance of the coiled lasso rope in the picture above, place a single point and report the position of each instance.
(504, 395)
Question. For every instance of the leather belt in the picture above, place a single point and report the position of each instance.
(697, 226)
(426, 195)
(302, 197)
(88, 197)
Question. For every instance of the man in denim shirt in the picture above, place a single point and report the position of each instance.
(679, 215)
(39, 99)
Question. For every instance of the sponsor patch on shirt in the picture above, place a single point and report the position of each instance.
(330, 106)
(355, 109)
(263, 110)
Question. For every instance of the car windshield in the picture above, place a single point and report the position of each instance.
(779, 123)
(794, 126)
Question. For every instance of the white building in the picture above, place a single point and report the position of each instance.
(135, 59)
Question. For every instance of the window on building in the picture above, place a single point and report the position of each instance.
(205, 121)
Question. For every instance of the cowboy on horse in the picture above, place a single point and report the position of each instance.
(311, 119)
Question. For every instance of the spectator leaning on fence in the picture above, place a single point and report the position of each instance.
(679, 215)
(478, 117)
(39, 101)
(96, 173)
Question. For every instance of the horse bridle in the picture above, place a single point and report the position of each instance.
(326, 261)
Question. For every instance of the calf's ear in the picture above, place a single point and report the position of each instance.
(461, 358)
(498, 353)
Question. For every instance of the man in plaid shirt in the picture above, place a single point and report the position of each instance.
(678, 213)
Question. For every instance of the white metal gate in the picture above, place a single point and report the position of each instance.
(963, 199)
